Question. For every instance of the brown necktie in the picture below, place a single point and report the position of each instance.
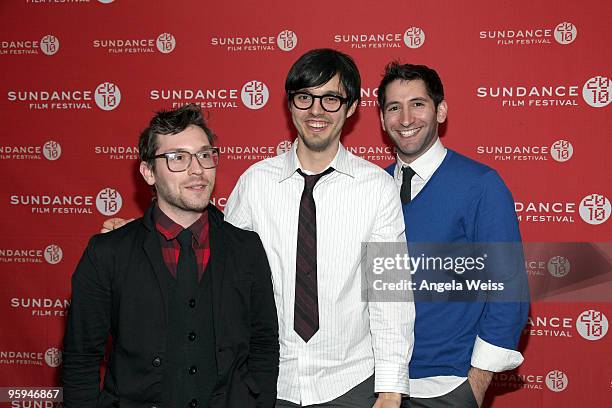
(306, 312)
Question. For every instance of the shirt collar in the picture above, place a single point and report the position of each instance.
(170, 229)
(340, 163)
(425, 165)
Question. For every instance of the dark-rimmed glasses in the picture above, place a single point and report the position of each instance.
(180, 160)
(329, 102)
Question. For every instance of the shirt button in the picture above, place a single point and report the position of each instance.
(156, 361)
(193, 403)
(191, 336)
(192, 303)
(193, 370)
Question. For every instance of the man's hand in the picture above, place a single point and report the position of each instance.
(114, 223)
(388, 400)
(479, 381)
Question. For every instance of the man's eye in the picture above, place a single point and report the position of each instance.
(204, 155)
(304, 97)
(332, 99)
(391, 108)
(178, 157)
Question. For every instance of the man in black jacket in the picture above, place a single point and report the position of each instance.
(185, 297)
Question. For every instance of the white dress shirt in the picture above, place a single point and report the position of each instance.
(356, 203)
(485, 356)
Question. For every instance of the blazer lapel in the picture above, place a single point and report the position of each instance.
(216, 266)
(152, 249)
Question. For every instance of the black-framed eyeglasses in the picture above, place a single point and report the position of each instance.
(180, 160)
(305, 100)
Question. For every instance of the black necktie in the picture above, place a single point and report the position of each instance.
(187, 267)
(406, 181)
(306, 308)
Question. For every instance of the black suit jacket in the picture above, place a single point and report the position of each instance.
(117, 289)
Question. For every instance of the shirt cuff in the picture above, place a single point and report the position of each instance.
(487, 356)
(391, 378)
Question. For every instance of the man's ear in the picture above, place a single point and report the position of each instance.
(442, 112)
(147, 173)
(382, 120)
(351, 109)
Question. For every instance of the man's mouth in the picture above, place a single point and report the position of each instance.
(409, 132)
(316, 125)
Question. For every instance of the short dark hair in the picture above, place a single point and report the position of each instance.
(407, 72)
(318, 66)
(170, 122)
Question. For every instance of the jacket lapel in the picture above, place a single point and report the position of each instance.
(152, 250)
(217, 260)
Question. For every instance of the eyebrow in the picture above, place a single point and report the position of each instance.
(415, 99)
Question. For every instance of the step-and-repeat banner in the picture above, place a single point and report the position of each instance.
(528, 88)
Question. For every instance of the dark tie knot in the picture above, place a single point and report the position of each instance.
(185, 238)
(408, 172)
(311, 180)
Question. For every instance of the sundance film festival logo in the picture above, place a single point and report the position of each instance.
(373, 153)
(164, 43)
(564, 33)
(558, 266)
(50, 150)
(206, 98)
(109, 201)
(592, 325)
(286, 40)
(283, 147)
(48, 45)
(596, 91)
(413, 37)
(53, 357)
(106, 96)
(514, 152)
(549, 326)
(52, 254)
(562, 150)
(556, 380)
(545, 211)
(21, 358)
(595, 209)
(511, 380)
(254, 94)
(118, 152)
(41, 307)
(531, 96)
(254, 152)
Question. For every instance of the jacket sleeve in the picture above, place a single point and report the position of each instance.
(264, 346)
(87, 331)
(505, 313)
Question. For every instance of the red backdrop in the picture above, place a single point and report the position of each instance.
(528, 87)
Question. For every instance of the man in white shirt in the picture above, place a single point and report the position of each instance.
(313, 208)
(450, 200)
(356, 348)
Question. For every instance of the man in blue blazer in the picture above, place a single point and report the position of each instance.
(449, 202)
